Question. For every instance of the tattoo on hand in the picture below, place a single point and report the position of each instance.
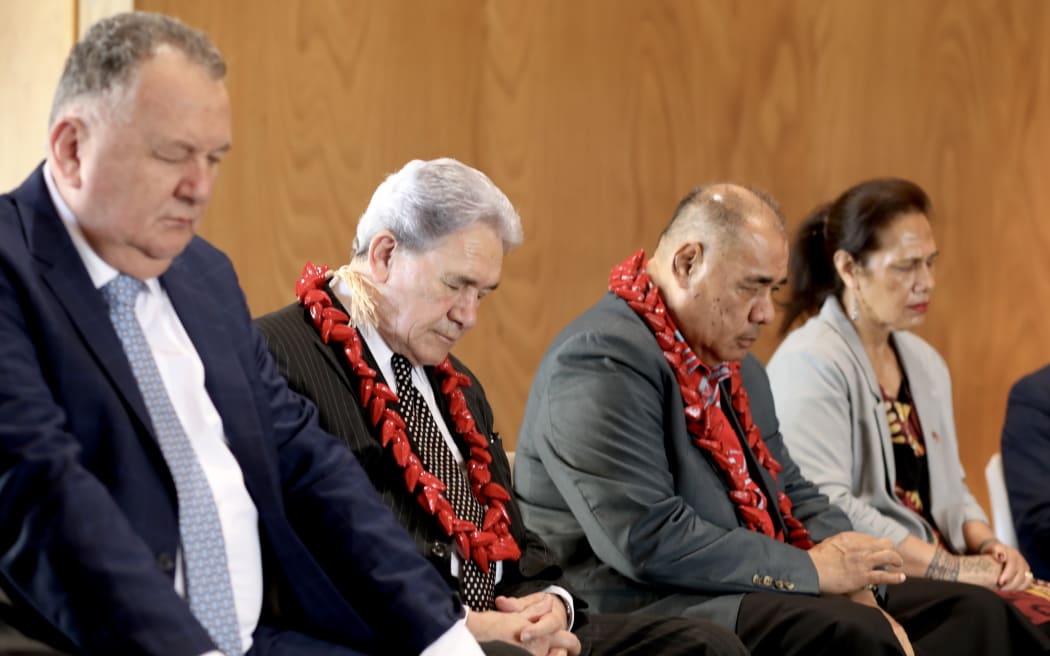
(943, 566)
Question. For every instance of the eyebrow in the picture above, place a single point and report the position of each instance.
(766, 280)
(467, 280)
(919, 258)
(190, 148)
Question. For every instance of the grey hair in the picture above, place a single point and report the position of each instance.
(428, 200)
(107, 58)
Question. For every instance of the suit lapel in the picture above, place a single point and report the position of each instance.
(62, 271)
(835, 316)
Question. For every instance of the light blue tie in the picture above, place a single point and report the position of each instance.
(203, 549)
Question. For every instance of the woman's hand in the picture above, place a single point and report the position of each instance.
(1014, 575)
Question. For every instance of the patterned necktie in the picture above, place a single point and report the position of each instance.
(204, 551)
(477, 586)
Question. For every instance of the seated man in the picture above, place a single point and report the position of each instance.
(650, 459)
(161, 489)
(1026, 461)
(429, 247)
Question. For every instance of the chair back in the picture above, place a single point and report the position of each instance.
(1002, 520)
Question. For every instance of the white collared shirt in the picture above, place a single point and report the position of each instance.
(182, 371)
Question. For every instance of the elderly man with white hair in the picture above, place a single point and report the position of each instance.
(369, 344)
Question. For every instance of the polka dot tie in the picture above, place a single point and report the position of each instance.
(477, 586)
(203, 549)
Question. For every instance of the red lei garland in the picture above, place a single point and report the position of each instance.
(705, 420)
(493, 542)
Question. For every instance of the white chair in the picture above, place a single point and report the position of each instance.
(1002, 520)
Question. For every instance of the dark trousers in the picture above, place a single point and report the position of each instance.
(939, 617)
(641, 635)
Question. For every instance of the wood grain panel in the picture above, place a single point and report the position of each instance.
(28, 74)
(595, 116)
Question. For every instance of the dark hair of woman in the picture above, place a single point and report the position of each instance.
(852, 223)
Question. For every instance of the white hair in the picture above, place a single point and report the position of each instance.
(427, 200)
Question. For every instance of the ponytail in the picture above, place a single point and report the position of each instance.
(811, 271)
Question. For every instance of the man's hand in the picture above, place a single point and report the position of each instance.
(847, 562)
(536, 622)
(550, 623)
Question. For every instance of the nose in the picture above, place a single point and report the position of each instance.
(465, 311)
(763, 311)
(197, 181)
(924, 279)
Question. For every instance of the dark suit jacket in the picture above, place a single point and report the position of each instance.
(1026, 464)
(320, 372)
(607, 473)
(90, 528)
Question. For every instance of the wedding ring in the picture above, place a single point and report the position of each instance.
(1029, 575)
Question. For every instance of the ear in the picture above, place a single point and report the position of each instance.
(847, 267)
(64, 145)
(686, 262)
(381, 254)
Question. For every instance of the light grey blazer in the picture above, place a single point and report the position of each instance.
(834, 423)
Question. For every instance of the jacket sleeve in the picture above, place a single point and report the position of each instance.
(68, 554)
(602, 432)
(821, 518)
(340, 517)
(1026, 461)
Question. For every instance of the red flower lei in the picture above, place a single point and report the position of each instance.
(493, 542)
(704, 418)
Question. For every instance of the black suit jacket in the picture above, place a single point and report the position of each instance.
(88, 517)
(320, 372)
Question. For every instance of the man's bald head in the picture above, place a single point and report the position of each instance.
(717, 266)
(716, 214)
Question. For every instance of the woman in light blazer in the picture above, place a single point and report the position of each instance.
(866, 406)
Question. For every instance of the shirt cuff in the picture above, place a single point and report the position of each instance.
(563, 594)
(454, 642)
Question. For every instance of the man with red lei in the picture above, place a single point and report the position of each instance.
(369, 344)
(651, 458)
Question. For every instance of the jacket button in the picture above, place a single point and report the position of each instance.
(756, 579)
(166, 562)
(767, 581)
(790, 585)
(439, 549)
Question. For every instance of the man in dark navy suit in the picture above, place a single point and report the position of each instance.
(1026, 461)
(161, 489)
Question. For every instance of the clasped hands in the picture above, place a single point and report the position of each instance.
(537, 623)
(1014, 573)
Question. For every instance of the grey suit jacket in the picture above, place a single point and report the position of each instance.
(834, 422)
(639, 516)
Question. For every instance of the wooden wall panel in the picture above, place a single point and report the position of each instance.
(28, 74)
(595, 116)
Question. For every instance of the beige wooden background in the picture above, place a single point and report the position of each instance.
(595, 116)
